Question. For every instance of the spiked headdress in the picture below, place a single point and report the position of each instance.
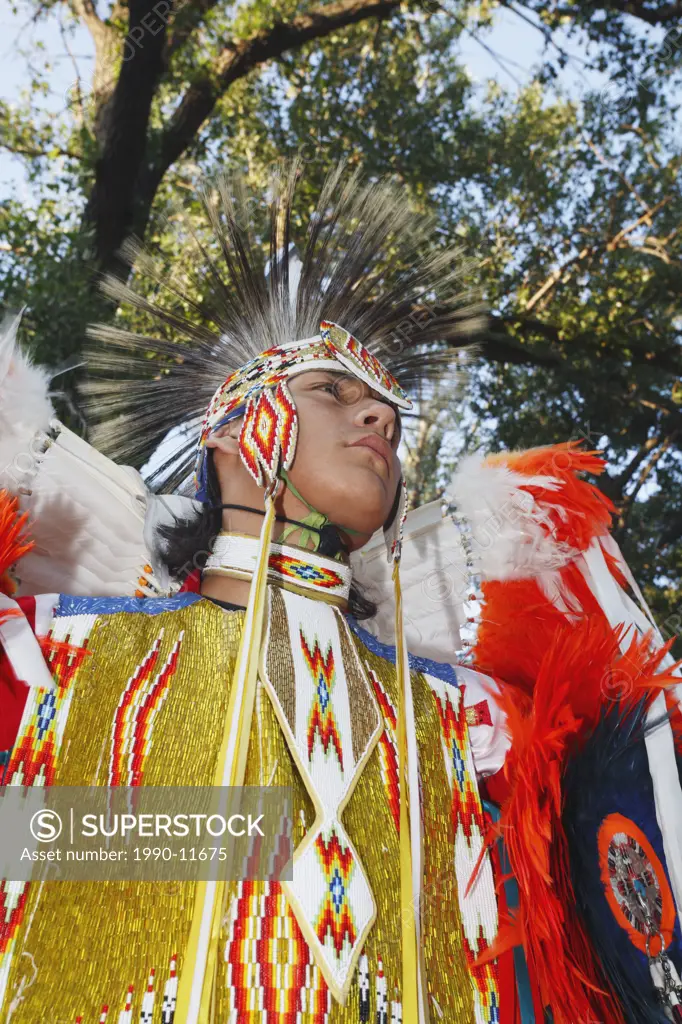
(233, 310)
(369, 297)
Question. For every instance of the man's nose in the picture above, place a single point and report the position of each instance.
(378, 415)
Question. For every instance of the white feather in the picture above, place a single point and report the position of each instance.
(25, 406)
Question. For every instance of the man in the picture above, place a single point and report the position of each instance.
(262, 677)
(297, 466)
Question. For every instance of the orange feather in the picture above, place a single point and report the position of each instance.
(578, 510)
(13, 540)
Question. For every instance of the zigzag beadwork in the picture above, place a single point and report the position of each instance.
(321, 723)
(33, 759)
(13, 898)
(478, 906)
(267, 439)
(330, 893)
(270, 967)
(358, 359)
(140, 703)
(287, 423)
(258, 438)
(305, 571)
(335, 920)
(388, 748)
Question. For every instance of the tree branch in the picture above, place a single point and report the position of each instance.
(237, 59)
(32, 151)
(613, 486)
(556, 276)
(499, 349)
(673, 532)
(644, 219)
(74, 64)
(186, 21)
(546, 33)
(654, 14)
(600, 248)
(86, 11)
(621, 176)
(107, 53)
(668, 359)
(660, 447)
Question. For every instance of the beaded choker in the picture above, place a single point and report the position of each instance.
(304, 572)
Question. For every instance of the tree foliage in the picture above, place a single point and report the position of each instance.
(572, 205)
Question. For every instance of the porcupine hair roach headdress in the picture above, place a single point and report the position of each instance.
(365, 299)
(361, 265)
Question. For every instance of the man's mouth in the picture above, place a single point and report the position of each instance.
(378, 445)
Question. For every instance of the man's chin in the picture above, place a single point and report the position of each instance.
(356, 501)
(361, 521)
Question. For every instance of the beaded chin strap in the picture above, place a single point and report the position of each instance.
(267, 445)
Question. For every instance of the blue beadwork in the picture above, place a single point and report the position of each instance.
(323, 692)
(308, 572)
(69, 605)
(438, 669)
(337, 890)
(47, 709)
(458, 765)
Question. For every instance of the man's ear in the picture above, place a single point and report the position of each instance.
(225, 439)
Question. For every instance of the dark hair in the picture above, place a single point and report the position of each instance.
(189, 542)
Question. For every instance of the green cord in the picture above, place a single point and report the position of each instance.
(314, 519)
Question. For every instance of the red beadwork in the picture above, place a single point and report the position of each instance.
(335, 919)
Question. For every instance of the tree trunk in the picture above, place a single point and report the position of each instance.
(111, 212)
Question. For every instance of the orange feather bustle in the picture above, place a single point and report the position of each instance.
(13, 545)
(581, 671)
(558, 674)
(13, 540)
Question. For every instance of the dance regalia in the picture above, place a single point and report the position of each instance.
(325, 724)
(523, 625)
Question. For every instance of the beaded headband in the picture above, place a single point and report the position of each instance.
(258, 392)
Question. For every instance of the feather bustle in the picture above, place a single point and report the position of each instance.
(569, 512)
(579, 511)
(571, 692)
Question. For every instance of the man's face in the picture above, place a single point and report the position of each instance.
(345, 464)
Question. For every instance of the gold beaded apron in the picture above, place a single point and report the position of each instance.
(87, 952)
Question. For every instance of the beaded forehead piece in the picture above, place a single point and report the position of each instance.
(259, 393)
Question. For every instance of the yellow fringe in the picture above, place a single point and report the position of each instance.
(230, 772)
(410, 988)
